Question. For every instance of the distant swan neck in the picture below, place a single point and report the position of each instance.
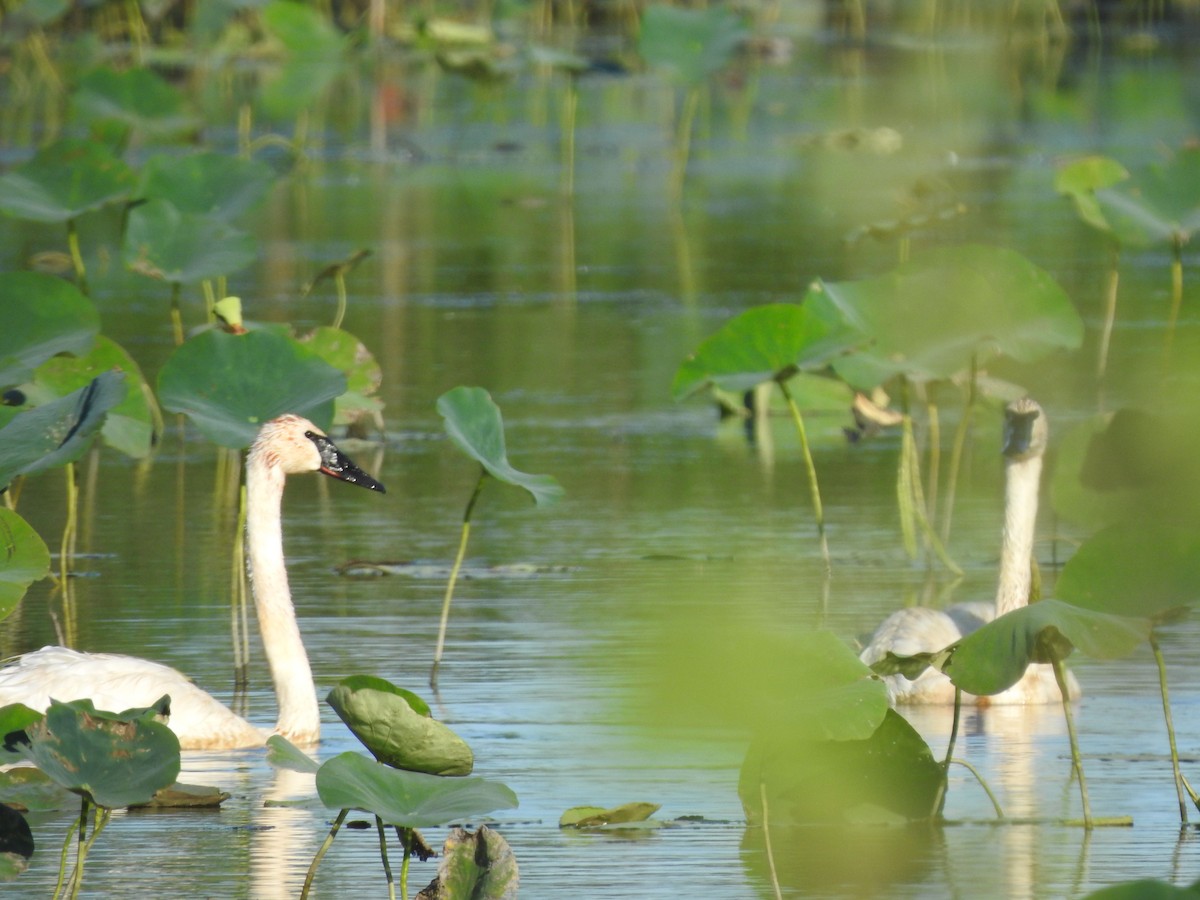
(299, 716)
(1022, 479)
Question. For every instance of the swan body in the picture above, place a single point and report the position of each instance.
(923, 630)
(285, 446)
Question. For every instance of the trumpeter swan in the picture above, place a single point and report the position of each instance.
(284, 446)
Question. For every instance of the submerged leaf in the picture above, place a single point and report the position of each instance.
(592, 816)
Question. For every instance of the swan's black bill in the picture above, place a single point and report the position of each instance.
(337, 464)
(1018, 432)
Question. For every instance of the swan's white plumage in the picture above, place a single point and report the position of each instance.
(284, 446)
(922, 630)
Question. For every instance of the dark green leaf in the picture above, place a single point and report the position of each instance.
(591, 816)
(229, 385)
(64, 180)
(137, 99)
(347, 353)
(689, 44)
(42, 316)
(207, 184)
(478, 866)
(162, 242)
(24, 559)
(473, 422)
(408, 799)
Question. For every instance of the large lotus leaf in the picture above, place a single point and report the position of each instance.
(64, 180)
(112, 760)
(57, 432)
(891, 773)
(43, 316)
(994, 657)
(29, 788)
(407, 799)
(129, 426)
(344, 351)
(1082, 178)
(760, 678)
(24, 559)
(1147, 569)
(162, 242)
(315, 50)
(229, 385)
(1159, 205)
(473, 422)
(764, 344)
(689, 44)
(208, 184)
(395, 725)
(302, 30)
(477, 865)
(137, 99)
(930, 317)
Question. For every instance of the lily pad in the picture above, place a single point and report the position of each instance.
(228, 385)
(689, 44)
(1080, 180)
(994, 657)
(43, 316)
(24, 559)
(592, 816)
(396, 726)
(479, 865)
(1160, 204)
(64, 180)
(208, 184)
(283, 754)
(886, 776)
(473, 422)
(766, 343)
(1147, 569)
(60, 431)
(182, 247)
(29, 788)
(129, 426)
(347, 353)
(134, 99)
(112, 760)
(931, 317)
(407, 799)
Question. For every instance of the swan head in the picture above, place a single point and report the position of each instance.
(1026, 431)
(295, 445)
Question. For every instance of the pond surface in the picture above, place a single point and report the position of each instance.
(575, 316)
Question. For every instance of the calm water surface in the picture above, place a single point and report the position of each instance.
(575, 317)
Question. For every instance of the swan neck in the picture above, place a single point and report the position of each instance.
(299, 715)
(1022, 479)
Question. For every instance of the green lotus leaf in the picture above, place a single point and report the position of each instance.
(181, 247)
(229, 385)
(473, 422)
(407, 799)
(592, 816)
(1082, 178)
(64, 180)
(766, 343)
(347, 353)
(133, 99)
(1159, 205)
(479, 865)
(60, 431)
(283, 754)
(32, 789)
(1145, 889)
(24, 559)
(207, 184)
(689, 44)
(43, 316)
(114, 761)
(396, 726)
(932, 316)
(994, 657)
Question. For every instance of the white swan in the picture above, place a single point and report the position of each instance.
(285, 446)
(923, 630)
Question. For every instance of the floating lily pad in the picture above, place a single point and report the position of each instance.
(473, 422)
(208, 184)
(42, 316)
(888, 776)
(182, 247)
(24, 559)
(134, 99)
(64, 180)
(689, 44)
(397, 727)
(932, 316)
(763, 344)
(407, 799)
(592, 816)
(347, 353)
(60, 431)
(479, 865)
(1159, 204)
(994, 657)
(129, 426)
(229, 385)
(112, 760)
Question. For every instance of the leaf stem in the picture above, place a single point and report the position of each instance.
(312, 868)
(383, 856)
(1180, 781)
(458, 561)
(77, 257)
(766, 826)
(1060, 675)
(811, 468)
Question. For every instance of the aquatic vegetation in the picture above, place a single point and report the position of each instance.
(474, 424)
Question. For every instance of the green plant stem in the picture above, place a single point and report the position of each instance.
(383, 856)
(1180, 781)
(62, 857)
(916, 503)
(1060, 675)
(935, 461)
(939, 801)
(328, 842)
(1111, 283)
(239, 621)
(683, 141)
(1176, 292)
(77, 256)
(340, 281)
(66, 552)
(569, 111)
(983, 784)
(813, 487)
(766, 826)
(956, 454)
(176, 314)
(404, 872)
(458, 560)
